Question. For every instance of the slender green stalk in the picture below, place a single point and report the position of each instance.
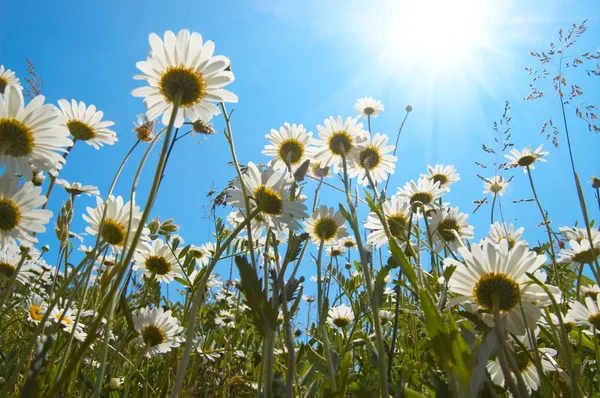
(396, 144)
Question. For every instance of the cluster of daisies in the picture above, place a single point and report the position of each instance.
(491, 279)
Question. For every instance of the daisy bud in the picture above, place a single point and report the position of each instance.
(46, 248)
(595, 182)
(144, 128)
(409, 108)
(38, 177)
(115, 383)
(202, 127)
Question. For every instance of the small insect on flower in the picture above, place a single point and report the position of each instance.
(34, 134)
(526, 158)
(368, 106)
(340, 316)
(158, 331)
(144, 128)
(19, 212)
(181, 69)
(8, 78)
(85, 124)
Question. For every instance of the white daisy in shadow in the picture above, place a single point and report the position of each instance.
(336, 138)
(183, 66)
(449, 226)
(291, 143)
(86, 124)
(397, 212)
(444, 175)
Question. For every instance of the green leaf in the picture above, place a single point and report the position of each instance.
(265, 318)
(316, 360)
(400, 257)
(377, 298)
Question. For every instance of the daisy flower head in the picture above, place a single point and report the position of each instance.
(499, 232)
(526, 366)
(159, 262)
(386, 316)
(290, 144)
(582, 252)
(338, 138)
(114, 228)
(77, 188)
(340, 316)
(326, 226)
(205, 351)
(35, 306)
(368, 107)
(587, 315)
(493, 277)
(225, 318)
(66, 317)
(182, 69)
(444, 175)
(335, 250)
(200, 254)
(578, 234)
(34, 134)
(372, 156)
(450, 227)
(590, 291)
(525, 158)
(19, 213)
(348, 242)
(421, 195)
(319, 171)
(86, 124)
(270, 195)
(10, 259)
(7, 79)
(397, 212)
(495, 185)
(158, 331)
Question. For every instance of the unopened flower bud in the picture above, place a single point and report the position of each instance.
(595, 182)
(202, 127)
(38, 178)
(115, 383)
(144, 128)
(409, 108)
(46, 248)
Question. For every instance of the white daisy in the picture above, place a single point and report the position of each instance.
(183, 66)
(326, 226)
(77, 188)
(19, 213)
(368, 106)
(200, 254)
(372, 155)
(206, 352)
(308, 299)
(444, 175)
(499, 232)
(525, 158)
(422, 195)
(7, 79)
(449, 226)
(67, 321)
(318, 170)
(526, 366)
(348, 242)
(590, 291)
(158, 331)
(85, 124)
(225, 318)
(581, 252)
(9, 261)
(495, 185)
(397, 214)
(144, 128)
(269, 192)
(493, 272)
(386, 316)
(33, 134)
(116, 223)
(335, 250)
(115, 383)
(35, 306)
(337, 138)
(340, 316)
(587, 315)
(159, 262)
(290, 143)
(578, 234)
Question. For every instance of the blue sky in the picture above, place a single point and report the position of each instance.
(301, 62)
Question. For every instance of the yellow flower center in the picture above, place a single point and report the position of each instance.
(349, 244)
(158, 265)
(341, 322)
(7, 269)
(420, 199)
(268, 201)
(197, 254)
(369, 110)
(370, 158)
(291, 149)
(442, 179)
(587, 256)
(523, 360)
(184, 81)
(397, 224)
(113, 232)
(80, 130)
(10, 215)
(496, 187)
(64, 319)
(340, 143)
(326, 229)
(526, 160)
(446, 229)
(16, 139)
(36, 313)
(496, 287)
(595, 320)
(153, 336)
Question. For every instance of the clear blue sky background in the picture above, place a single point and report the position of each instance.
(301, 62)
